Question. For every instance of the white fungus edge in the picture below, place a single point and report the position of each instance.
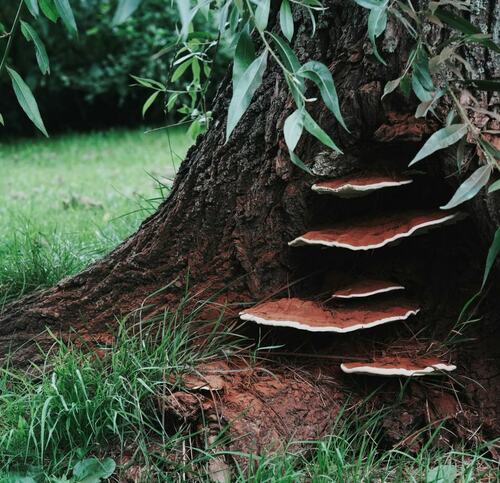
(397, 371)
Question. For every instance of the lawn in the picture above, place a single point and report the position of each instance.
(67, 200)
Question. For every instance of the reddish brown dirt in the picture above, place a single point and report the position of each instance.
(314, 315)
(365, 288)
(373, 232)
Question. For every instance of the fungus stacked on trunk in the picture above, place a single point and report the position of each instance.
(364, 303)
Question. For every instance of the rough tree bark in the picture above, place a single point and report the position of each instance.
(234, 206)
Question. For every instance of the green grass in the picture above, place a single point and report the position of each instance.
(63, 200)
(80, 406)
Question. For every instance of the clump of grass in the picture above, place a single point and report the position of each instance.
(63, 200)
(79, 404)
(353, 453)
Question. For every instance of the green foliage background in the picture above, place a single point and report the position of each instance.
(89, 81)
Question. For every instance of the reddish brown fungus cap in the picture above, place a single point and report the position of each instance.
(360, 184)
(371, 233)
(315, 317)
(366, 288)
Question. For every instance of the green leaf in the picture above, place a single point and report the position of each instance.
(494, 187)
(286, 20)
(124, 10)
(244, 55)
(442, 474)
(440, 140)
(293, 128)
(313, 128)
(64, 9)
(391, 86)
(49, 9)
(294, 125)
(26, 100)
(420, 91)
(485, 85)
(92, 470)
(149, 102)
(470, 187)
(150, 83)
(244, 91)
(32, 7)
(492, 255)
(286, 54)
(370, 4)
(462, 25)
(2, 122)
(262, 14)
(178, 73)
(184, 8)
(321, 76)
(377, 22)
(292, 64)
(421, 70)
(30, 34)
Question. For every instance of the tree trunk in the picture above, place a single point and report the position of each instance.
(235, 206)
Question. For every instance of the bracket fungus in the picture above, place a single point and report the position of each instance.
(315, 317)
(358, 185)
(371, 233)
(398, 366)
(353, 305)
(366, 288)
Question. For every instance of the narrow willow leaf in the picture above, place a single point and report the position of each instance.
(179, 71)
(261, 14)
(470, 187)
(321, 76)
(462, 25)
(149, 102)
(30, 34)
(32, 7)
(377, 22)
(26, 100)
(243, 92)
(421, 70)
(313, 22)
(2, 122)
(494, 187)
(391, 86)
(49, 9)
(244, 55)
(485, 85)
(292, 130)
(370, 4)
(66, 13)
(124, 10)
(287, 55)
(440, 140)
(184, 8)
(286, 20)
(422, 94)
(313, 128)
(492, 255)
